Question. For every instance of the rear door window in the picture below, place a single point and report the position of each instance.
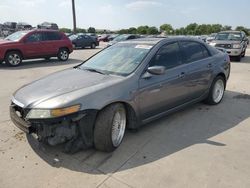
(35, 37)
(50, 36)
(193, 51)
(87, 37)
(131, 37)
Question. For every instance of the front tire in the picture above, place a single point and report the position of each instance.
(110, 127)
(63, 54)
(216, 92)
(13, 58)
(244, 53)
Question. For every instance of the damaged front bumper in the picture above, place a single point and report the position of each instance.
(71, 128)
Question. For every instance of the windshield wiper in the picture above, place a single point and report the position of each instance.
(94, 70)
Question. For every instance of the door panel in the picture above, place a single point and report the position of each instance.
(80, 41)
(199, 69)
(199, 76)
(88, 41)
(160, 93)
(32, 46)
(50, 43)
(163, 92)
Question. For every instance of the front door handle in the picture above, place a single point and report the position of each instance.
(209, 65)
(182, 75)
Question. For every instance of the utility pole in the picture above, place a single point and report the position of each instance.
(74, 16)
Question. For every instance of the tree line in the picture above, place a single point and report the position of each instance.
(79, 30)
(191, 29)
(168, 29)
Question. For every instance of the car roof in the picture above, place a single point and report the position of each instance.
(155, 40)
(230, 32)
(42, 30)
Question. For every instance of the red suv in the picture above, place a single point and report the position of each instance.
(34, 44)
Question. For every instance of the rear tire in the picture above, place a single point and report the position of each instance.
(63, 54)
(13, 58)
(216, 91)
(110, 127)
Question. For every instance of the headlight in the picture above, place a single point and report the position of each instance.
(212, 43)
(52, 113)
(236, 46)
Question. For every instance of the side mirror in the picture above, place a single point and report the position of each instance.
(156, 70)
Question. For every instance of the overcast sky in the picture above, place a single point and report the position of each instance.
(117, 14)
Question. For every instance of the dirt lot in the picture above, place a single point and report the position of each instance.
(202, 146)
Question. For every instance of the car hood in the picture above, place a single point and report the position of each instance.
(112, 43)
(225, 42)
(6, 42)
(61, 83)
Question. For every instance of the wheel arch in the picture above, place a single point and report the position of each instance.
(132, 118)
(13, 50)
(64, 47)
(223, 76)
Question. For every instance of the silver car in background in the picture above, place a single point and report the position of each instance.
(233, 42)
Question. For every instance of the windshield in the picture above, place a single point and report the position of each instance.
(120, 59)
(16, 36)
(229, 36)
(73, 37)
(213, 35)
(121, 38)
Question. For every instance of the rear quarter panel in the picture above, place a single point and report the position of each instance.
(222, 65)
(65, 42)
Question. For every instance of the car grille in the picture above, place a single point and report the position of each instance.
(227, 46)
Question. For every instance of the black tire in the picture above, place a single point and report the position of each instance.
(63, 54)
(244, 53)
(103, 128)
(93, 46)
(210, 99)
(238, 58)
(14, 63)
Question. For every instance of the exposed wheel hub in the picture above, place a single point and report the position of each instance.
(118, 127)
(218, 91)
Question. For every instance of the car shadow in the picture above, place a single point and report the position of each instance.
(245, 59)
(197, 124)
(27, 64)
